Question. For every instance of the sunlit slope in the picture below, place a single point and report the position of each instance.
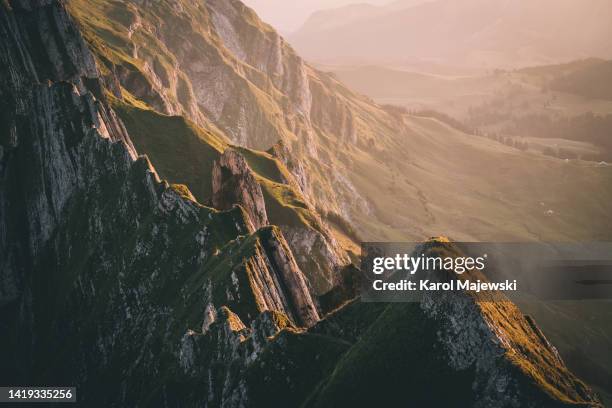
(391, 177)
(187, 155)
(222, 68)
(582, 332)
(438, 180)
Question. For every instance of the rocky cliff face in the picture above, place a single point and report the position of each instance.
(218, 64)
(100, 258)
(234, 183)
(263, 275)
(127, 287)
(316, 249)
(225, 175)
(39, 43)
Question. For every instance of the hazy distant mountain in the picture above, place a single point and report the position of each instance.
(338, 17)
(288, 16)
(474, 32)
(590, 79)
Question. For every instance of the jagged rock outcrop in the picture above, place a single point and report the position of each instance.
(127, 287)
(257, 365)
(502, 348)
(293, 281)
(99, 257)
(314, 246)
(234, 183)
(257, 181)
(487, 334)
(264, 277)
(479, 347)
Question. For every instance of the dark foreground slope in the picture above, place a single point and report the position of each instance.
(128, 288)
(105, 267)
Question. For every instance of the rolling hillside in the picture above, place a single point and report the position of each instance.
(588, 78)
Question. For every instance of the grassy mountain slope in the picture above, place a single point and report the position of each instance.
(344, 150)
(380, 340)
(586, 349)
(185, 154)
(243, 80)
(470, 187)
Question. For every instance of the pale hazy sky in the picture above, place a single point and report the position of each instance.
(288, 15)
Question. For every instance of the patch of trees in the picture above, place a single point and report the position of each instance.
(519, 144)
(449, 120)
(593, 81)
(345, 226)
(395, 110)
(588, 127)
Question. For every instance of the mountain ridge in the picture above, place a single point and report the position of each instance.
(128, 288)
(499, 34)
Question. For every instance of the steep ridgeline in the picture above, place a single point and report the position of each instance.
(103, 268)
(223, 175)
(126, 287)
